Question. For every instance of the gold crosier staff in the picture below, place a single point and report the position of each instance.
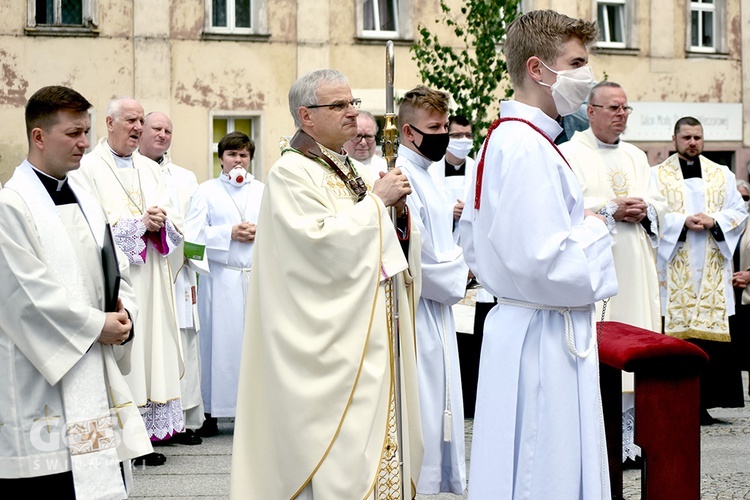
(395, 490)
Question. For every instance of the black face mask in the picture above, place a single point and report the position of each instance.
(433, 146)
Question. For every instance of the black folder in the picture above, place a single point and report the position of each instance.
(111, 272)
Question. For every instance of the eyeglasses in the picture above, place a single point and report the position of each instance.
(368, 138)
(338, 105)
(461, 135)
(615, 109)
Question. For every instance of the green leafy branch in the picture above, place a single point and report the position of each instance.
(473, 69)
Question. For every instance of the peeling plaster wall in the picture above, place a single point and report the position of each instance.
(155, 51)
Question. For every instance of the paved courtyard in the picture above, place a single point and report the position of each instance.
(203, 471)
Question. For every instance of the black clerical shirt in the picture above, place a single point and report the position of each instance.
(451, 170)
(58, 190)
(691, 170)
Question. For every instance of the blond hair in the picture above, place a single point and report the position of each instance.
(421, 97)
(542, 33)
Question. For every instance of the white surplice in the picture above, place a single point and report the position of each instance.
(216, 207)
(180, 184)
(156, 365)
(456, 187)
(703, 297)
(538, 428)
(444, 275)
(61, 384)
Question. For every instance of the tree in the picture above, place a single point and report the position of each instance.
(473, 71)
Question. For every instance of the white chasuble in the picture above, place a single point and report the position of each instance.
(696, 275)
(156, 364)
(317, 381)
(444, 278)
(538, 426)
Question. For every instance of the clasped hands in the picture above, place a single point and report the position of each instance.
(630, 209)
(244, 232)
(154, 218)
(392, 188)
(699, 222)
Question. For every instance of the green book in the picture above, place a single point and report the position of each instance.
(194, 251)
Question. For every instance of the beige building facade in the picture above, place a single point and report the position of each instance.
(220, 65)
(676, 58)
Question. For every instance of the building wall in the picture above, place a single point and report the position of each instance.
(155, 50)
(658, 68)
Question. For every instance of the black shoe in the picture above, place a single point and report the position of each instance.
(210, 427)
(707, 419)
(152, 459)
(188, 437)
(630, 464)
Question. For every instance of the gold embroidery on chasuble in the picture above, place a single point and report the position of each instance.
(389, 482)
(134, 201)
(115, 410)
(336, 186)
(619, 181)
(47, 418)
(691, 314)
(91, 435)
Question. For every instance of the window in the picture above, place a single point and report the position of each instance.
(706, 34)
(221, 125)
(68, 17)
(618, 25)
(384, 19)
(703, 26)
(59, 12)
(611, 20)
(236, 17)
(380, 15)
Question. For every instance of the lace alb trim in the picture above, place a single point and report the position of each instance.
(629, 448)
(163, 419)
(654, 220)
(128, 235)
(174, 237)
(608, 211)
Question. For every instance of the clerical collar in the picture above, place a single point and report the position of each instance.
(120, 160)
(606, 145)
(452, 170)
(58, 189)
(116, 154)
(691, 168)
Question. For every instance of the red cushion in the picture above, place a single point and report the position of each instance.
(632, 349)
